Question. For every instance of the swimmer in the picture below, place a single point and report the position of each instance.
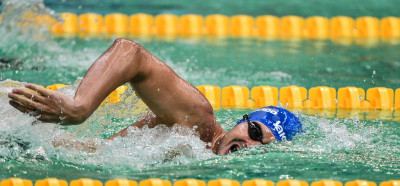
(171, 100)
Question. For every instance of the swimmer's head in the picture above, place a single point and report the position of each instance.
(282, 123)
(262, 126)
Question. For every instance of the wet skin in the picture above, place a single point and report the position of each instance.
(171, 99)
(238, 138)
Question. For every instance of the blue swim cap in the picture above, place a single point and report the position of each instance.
(282, 123)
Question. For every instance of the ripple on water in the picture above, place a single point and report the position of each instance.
(143, 147)
(350, 147)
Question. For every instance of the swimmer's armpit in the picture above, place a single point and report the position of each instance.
(87, 146)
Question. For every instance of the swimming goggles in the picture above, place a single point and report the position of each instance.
(254, 130)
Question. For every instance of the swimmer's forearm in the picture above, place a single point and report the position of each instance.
(121, 63)
(88, 146)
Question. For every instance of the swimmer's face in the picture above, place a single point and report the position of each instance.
(239, 138)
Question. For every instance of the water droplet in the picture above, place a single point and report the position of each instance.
(336, 101)
(374, 72)
(360, 97)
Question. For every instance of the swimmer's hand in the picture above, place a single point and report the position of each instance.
(46, 105)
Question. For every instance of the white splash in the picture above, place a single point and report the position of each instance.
(23, 138)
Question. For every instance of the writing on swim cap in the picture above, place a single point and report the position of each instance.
(282, 123)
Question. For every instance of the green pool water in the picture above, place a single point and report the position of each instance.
(356, 146)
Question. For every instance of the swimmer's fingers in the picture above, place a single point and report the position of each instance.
(42, 116)
(17, 95)
(54, 101)
(49, 106)
(25, 109)
(21, 107)
(28, 93)
(44, 101)
(39, 89)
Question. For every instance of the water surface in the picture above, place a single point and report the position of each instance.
(337, 145)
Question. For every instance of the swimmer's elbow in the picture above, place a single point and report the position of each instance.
(132, 51)
(129, 47)
(140, 61)
(127, 43)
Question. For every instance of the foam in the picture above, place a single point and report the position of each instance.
(142, 147)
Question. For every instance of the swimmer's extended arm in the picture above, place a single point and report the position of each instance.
(169, 97)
